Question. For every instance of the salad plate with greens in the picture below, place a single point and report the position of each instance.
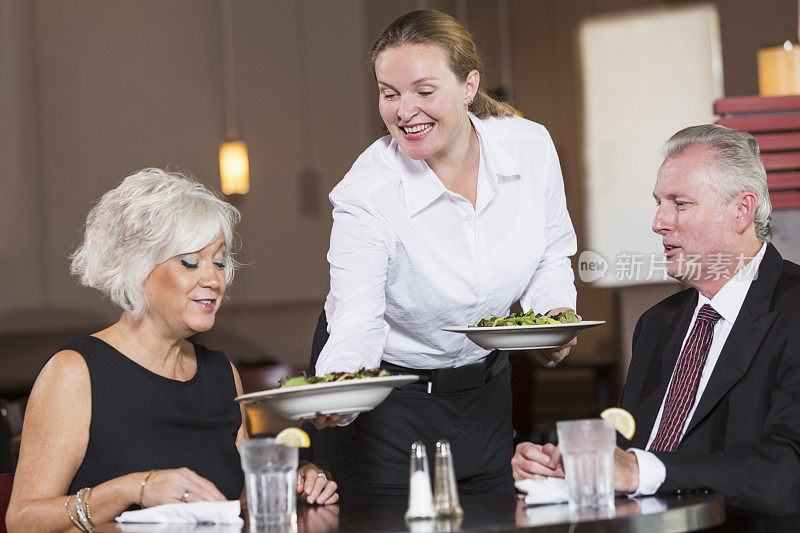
(525, 331)
(306, 396)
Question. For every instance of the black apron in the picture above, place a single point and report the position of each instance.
(370, 457)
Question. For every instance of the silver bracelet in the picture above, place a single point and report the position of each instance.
(79, 507)
(69, 512)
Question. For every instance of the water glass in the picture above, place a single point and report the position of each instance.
(588, 450)
(270, 474)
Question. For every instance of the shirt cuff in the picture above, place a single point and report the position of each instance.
(652, 472)
(548, 303)
(329, 365)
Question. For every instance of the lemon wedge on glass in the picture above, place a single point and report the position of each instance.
(294, 438)
(621, 420)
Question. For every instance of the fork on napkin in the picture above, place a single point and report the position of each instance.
(543, 490)
(186, 513)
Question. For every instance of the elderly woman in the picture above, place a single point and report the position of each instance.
(136, 414)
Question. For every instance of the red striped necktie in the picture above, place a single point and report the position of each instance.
(683, 388)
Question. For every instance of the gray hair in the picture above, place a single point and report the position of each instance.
(151, 216)
(737, 158)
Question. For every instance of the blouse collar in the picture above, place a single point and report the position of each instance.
(421, 186)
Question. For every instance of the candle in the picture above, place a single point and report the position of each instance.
(779, 70)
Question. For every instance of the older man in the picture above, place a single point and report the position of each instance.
(714, 381)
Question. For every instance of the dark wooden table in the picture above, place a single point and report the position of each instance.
(490, 513)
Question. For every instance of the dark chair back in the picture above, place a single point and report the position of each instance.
(264, 376)
(5, 445)
(6, 481)
(260, 420)
(12, 413)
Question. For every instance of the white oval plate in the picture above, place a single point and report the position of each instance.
(343, 397)
(524, 337)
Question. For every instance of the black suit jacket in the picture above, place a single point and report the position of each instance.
(744, 438)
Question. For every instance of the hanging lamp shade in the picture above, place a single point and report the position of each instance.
(234, 167)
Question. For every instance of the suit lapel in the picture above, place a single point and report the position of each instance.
(659, 372)
(748, 331)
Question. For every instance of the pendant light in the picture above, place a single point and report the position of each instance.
(234, 165)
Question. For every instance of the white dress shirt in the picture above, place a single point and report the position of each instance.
(727, 302)
(409, 257)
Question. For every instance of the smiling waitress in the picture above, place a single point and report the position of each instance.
(456, 215)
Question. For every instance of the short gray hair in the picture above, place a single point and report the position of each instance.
(737, 157)
(151, 216)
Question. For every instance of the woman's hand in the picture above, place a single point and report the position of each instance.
(533, 461)
(553, 356)
(314, 484)
(324, 421)
(170, 486)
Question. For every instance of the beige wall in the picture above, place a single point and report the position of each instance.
(21, 257)
(548, 89)
(113, 86)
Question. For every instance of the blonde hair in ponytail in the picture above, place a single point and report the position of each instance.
(429, 26)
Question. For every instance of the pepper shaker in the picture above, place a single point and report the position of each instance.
(446, 495)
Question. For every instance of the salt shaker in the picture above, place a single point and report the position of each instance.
(446, 494)
(420, 497)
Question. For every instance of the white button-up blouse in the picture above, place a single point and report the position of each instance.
(409, 257)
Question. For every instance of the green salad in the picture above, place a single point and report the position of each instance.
(527, 319)
(305, 379)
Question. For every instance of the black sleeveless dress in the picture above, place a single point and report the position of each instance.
(142, 421)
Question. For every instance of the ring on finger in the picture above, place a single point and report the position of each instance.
(322, 475)
(185, 495)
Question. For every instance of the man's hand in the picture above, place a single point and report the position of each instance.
(531, 461)
(556, 355)
(626, 471)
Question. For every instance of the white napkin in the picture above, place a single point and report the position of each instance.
(183, 528)
(544, 490)
(186, 513)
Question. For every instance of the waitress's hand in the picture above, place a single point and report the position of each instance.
(552, 356)
(324, 421)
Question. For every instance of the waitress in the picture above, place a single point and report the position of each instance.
(455, 215)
